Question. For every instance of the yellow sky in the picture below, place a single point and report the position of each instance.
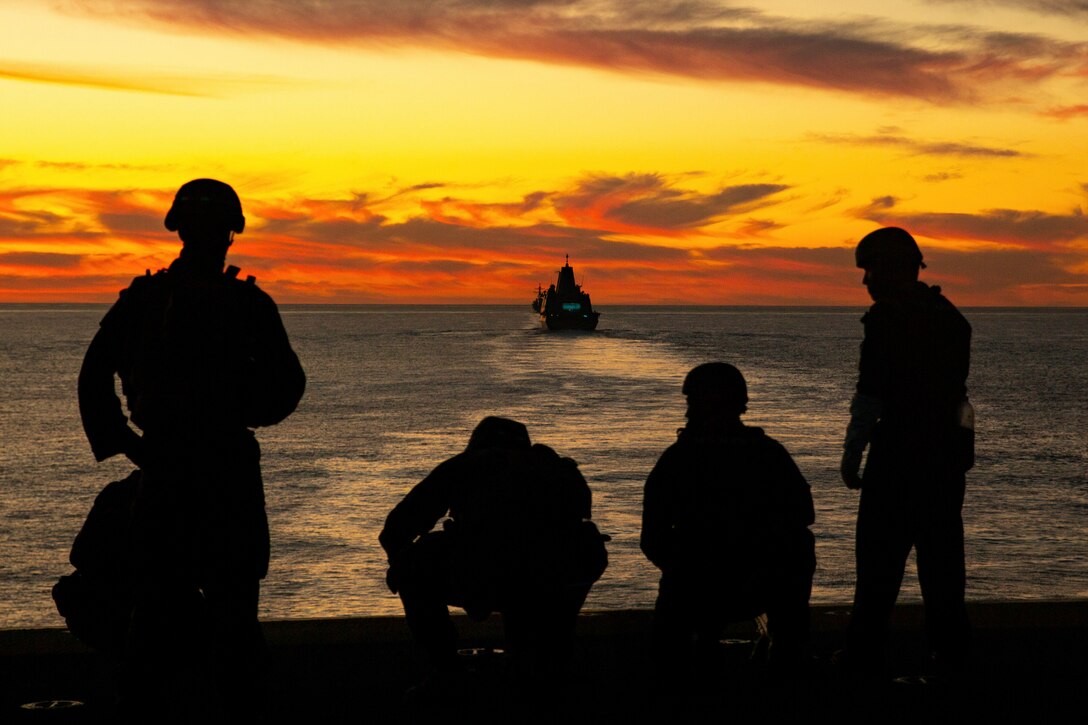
(699, 152)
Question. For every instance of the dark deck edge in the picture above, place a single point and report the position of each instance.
(985, 615)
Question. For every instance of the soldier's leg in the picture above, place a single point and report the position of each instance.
(425, 587)
(160, 671)
(881, 549)
(942, 571)
(789, 587)
(674, 629)
(540, 628)
(236, 643)
(160, 677)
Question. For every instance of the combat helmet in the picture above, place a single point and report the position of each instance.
(717, 383)
(204, 201)
(496, 432)
(888, 244)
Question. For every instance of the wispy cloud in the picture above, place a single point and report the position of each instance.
(48, 260)
(120, 80)
(1021, 228)
(693, 38)
(1069, 8)
(1011, 274)
(1064, 113)
(32, 213)
(127, 79)
(915, 146)
(652, 203)
(79, 166)
(943, 176)
(458, 211)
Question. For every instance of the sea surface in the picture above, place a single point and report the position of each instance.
(394, 390)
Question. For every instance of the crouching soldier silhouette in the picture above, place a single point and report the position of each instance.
(725, 517)
(203, 358)
(518, 541)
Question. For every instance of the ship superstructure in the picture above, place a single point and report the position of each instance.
(564, 306)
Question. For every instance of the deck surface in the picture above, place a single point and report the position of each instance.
(1030, 660)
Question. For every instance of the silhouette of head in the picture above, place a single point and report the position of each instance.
(494, 432)
(891, 260)
(206, 214)
(715, 390)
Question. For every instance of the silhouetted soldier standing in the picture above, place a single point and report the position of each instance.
(911, 409)
(203, 358)
(725, 517)
(518, 540)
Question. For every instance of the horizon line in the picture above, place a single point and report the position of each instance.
(1070, 308)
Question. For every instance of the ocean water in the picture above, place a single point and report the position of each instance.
(394, 390)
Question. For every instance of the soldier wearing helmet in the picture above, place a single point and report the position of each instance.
(203, 359)
(910, 401)
(518, 540)
(725, 518)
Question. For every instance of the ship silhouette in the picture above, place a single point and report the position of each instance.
(564, 306)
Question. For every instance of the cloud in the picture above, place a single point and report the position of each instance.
(970, 277)
(799, 264)
(829, 200)
(758, 227)
(691, 38)
(141, 223)
(456, 211)
(22, 222)
(1028, 229)
(914, 146)
(79, 166)
(427, 237)
(17, 227)
(40, 259)
(1064, 113)
(943, 176)
(650, 203)
(1006, 273)
(88, 215)
(72, 244)
(59, 74)
(125, 79)
(1069, 8)
(413, 188)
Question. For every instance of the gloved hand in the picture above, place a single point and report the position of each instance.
(391, 579)
(134, 448)
(848, 469)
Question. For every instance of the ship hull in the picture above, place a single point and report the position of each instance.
(570, 322)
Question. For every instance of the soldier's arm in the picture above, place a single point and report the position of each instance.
(104, 422)
(795, 495)
(657, 515)
(866, 407)
(575, 498)
(419, 510)
(865, 412)
(278, 382)
(877, 364)
(582, 496)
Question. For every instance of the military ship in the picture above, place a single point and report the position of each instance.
(564, 306)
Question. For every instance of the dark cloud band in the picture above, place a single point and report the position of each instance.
(692, 38)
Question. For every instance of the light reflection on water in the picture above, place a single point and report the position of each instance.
(393, 391)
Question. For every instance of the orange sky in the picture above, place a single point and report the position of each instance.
(455, 150)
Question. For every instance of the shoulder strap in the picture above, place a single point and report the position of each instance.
(231, 272)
